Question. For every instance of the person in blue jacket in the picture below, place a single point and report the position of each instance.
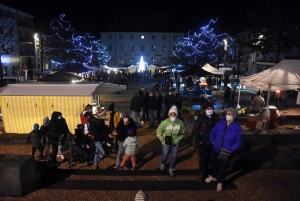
(232, 132)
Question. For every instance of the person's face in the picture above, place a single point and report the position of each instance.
(228, 113)
(172, 114)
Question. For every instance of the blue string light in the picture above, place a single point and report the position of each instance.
(65, 46)
(202, 47)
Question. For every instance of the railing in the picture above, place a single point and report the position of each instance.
(67, 141)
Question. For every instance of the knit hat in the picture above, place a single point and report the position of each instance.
(46, 121)
(130, 132)
(173, 109)
(233, 111)
(208, 104)
(111, 107)
(36, 127)
(126, 115)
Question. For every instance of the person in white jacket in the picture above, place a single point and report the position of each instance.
(131, 145)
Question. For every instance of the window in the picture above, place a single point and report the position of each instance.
(163, 62)
(164, 37)
(109, 37)
(131, 47)
(152, 60)
(131, 59)
(153, 37)
(109, 47)
(174, 37)
(152, 47)
(1, 30)
(131, 37)
(10, 31)
(164, 48)
(120, 37)
(120, 47)
(5, 71)
(143, 47)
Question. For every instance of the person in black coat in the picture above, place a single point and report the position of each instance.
(135, 107)
(36, 135)
(145, 101)
(160, 101)
(125, 123)
(59, 128)
(152, 104)
(226, 96)
(201, 134)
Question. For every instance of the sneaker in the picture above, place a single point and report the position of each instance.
(200, 178)
(86, 163)
(116, 167)
(62, 157)
(220, 187)
(95, 167)
(172, 172)
(210, 179)
(162, 167)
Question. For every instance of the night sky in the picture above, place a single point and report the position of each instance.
(91, 15)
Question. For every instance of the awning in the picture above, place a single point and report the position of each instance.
(212, 70)
(76, 89)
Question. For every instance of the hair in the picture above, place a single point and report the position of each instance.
(258, 93)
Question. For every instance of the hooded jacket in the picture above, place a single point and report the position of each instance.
(233, 136)
(168, 128)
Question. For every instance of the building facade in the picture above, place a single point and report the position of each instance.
(127, 48)
(16, 41)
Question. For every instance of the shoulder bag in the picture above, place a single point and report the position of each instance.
(224, 154)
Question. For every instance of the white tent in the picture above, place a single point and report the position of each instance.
(132, 68)
(152, 68)
(212, 70)
(283, 76)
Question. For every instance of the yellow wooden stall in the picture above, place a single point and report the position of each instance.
(23, 105)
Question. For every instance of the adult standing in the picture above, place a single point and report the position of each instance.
(121, 132)
(145, 102)
(98, 136)
(170, 132)
(135, 107)
(257, 103)
(160, 101)
(113, 117)
(232, 97)
(201, 134)
(226, 138)
(152, 104)
(226, 96)
(169, 100)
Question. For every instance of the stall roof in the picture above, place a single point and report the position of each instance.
(46, 89)
(212, 70)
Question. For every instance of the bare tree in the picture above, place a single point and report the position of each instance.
(8, 34)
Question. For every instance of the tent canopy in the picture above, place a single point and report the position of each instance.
(47, 89)
(212, 70)
(283, 76)
(196, 70)
(60, 76)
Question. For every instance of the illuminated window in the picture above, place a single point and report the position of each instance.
(131, 59)
(152, 47)
(164, 48)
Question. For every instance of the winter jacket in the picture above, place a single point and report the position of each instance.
(122, 129)
(145, 101)
(160, 101)
(203, 126)
(35, 136)
(136, 104)
(152, 103)
(257, 103)
(96, 130)
(168, 128)
(57, 126)
(116, 118)
(131, 144)
(169, 100)
(233, 137)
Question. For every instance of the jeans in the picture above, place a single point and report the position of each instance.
(165, 152)
(152, 117)
(218, 166)
(120, 154)
(158, 111)
(136, 118)
(204, 154)
(99, 153)
(145, 113)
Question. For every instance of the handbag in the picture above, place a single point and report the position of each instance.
(224, 154)
(168, 140)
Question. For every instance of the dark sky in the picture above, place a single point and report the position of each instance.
(90, 15)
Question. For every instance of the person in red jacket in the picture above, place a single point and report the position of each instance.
(83, 119)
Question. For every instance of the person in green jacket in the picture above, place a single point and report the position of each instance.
(170, 132)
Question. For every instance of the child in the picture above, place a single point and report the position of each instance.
(131, 144)
(36, 137)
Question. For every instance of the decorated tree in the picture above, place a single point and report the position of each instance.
(62, 45)
(202, 47)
